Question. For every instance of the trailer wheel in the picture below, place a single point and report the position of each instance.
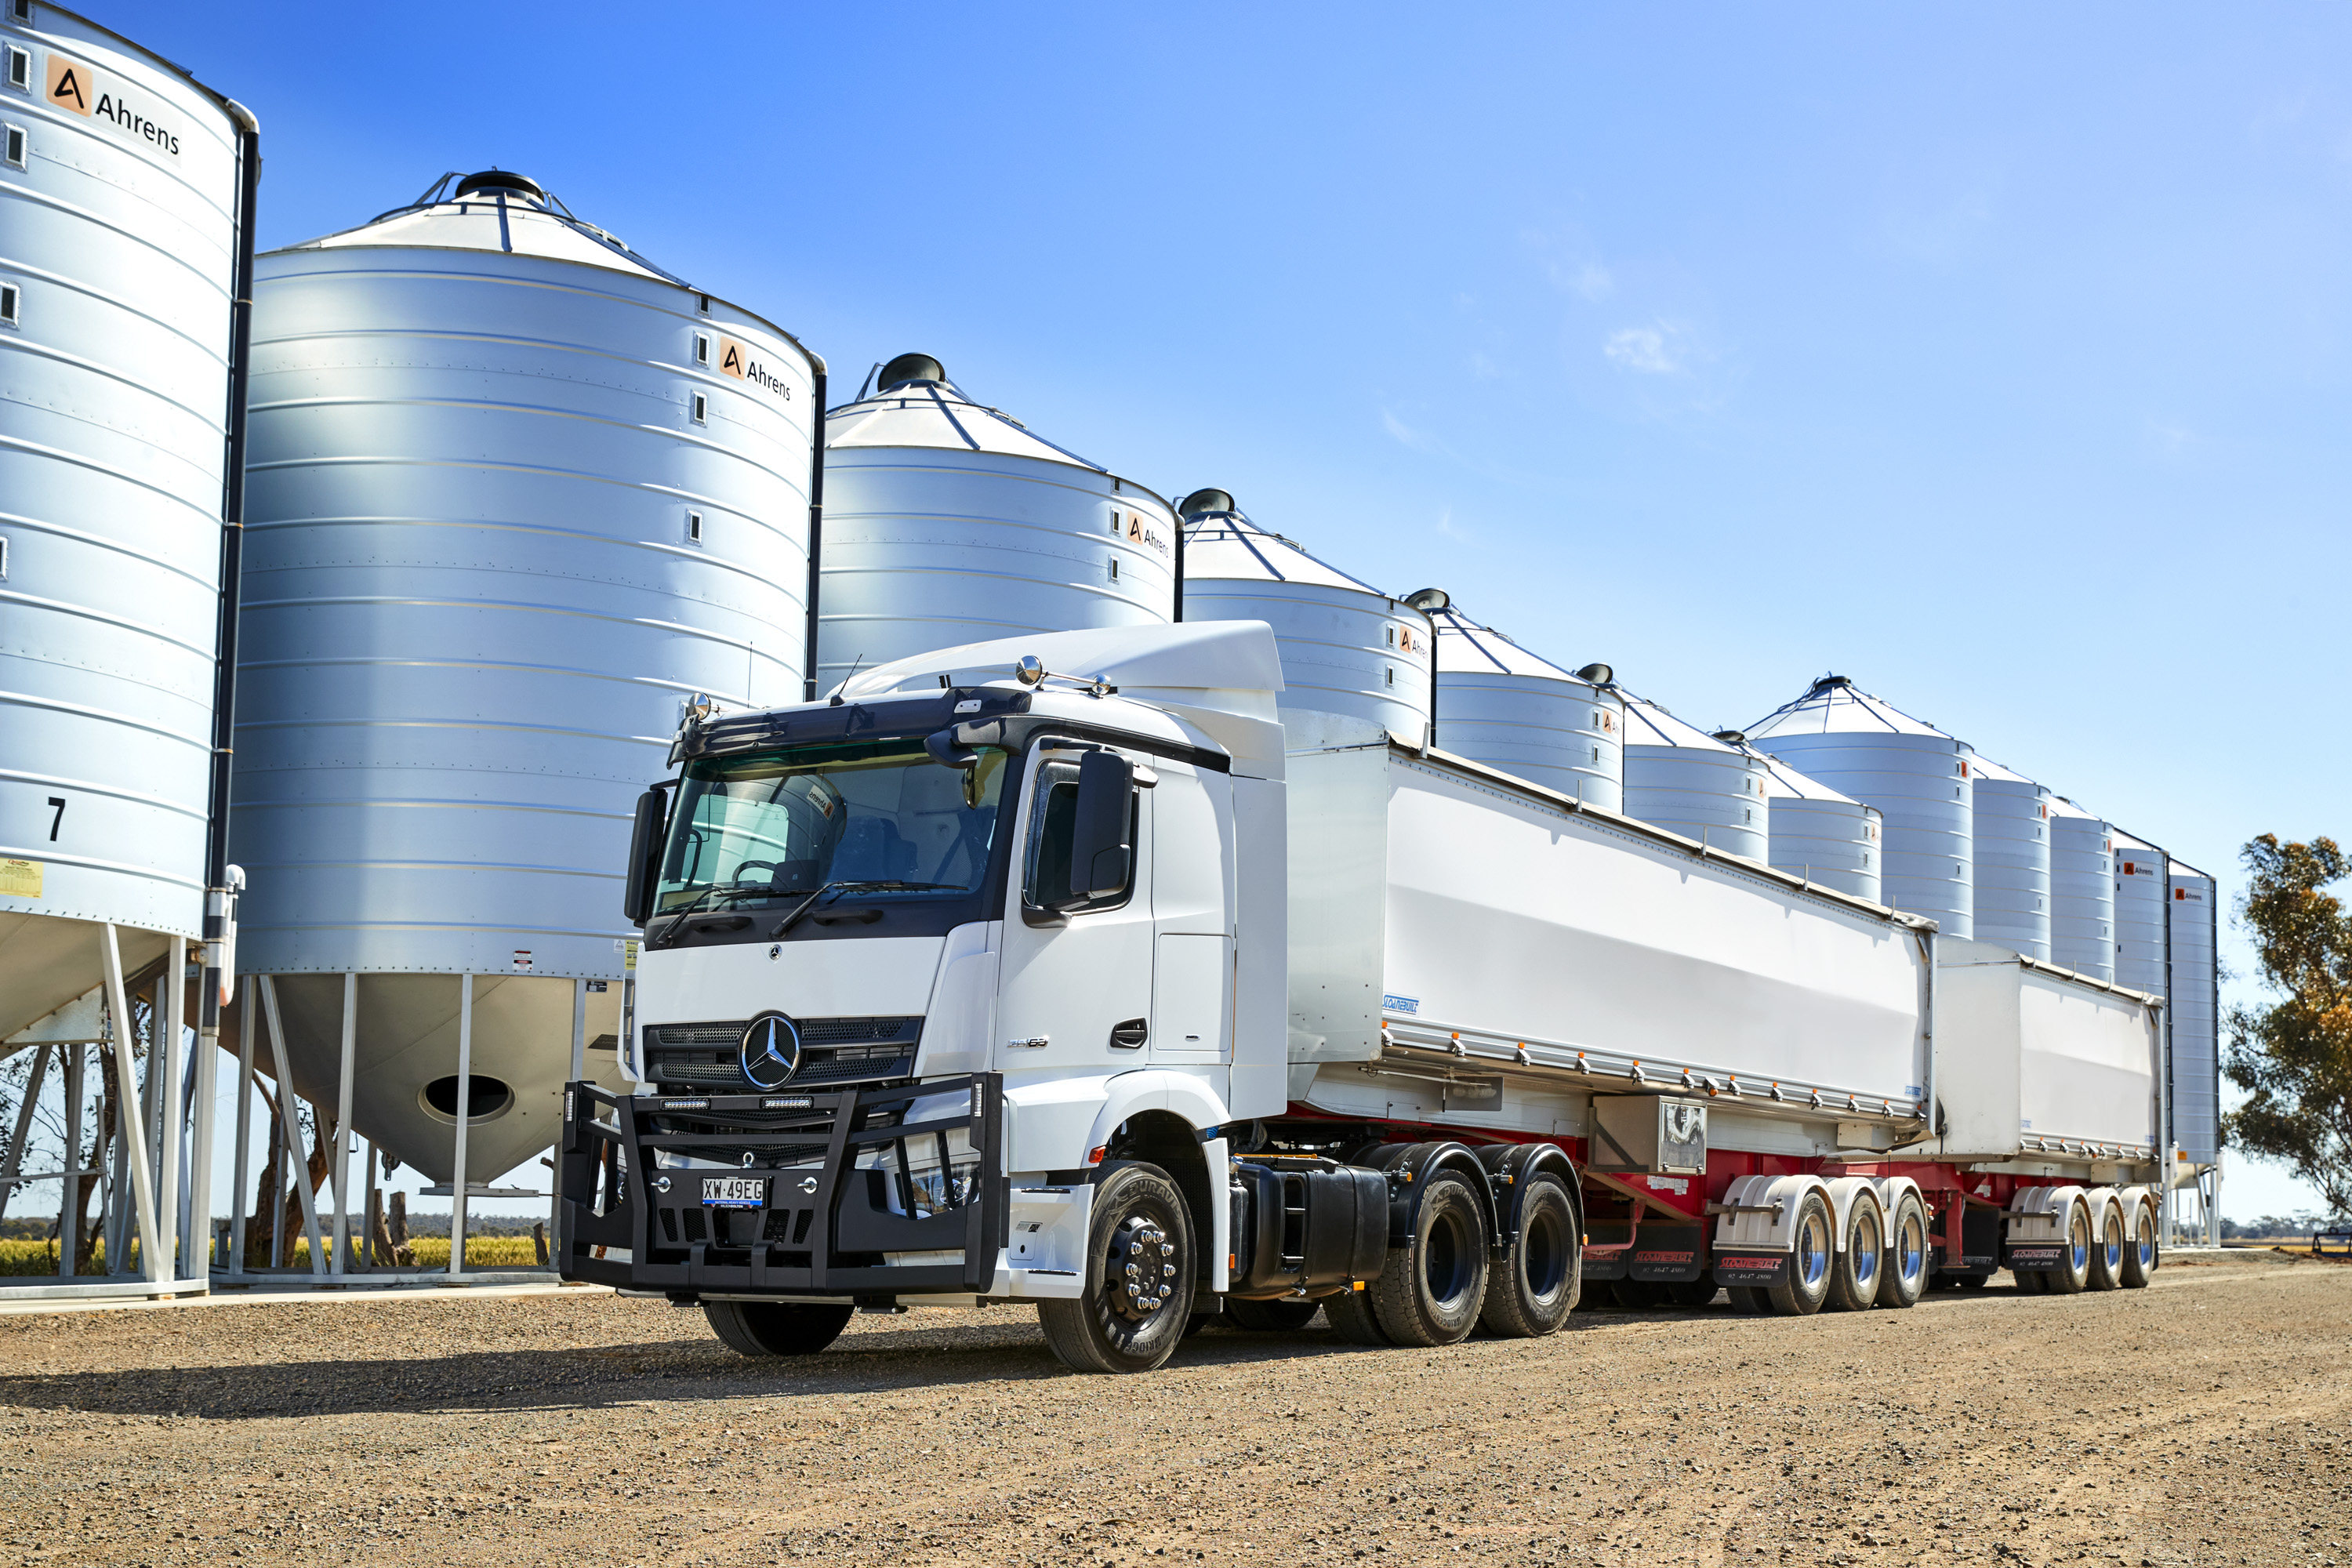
(1638, 1295)
(2033, 1282)
(1140, 1272)
(1271, 1316)
(2107, 1248)
(1970, 1281)
(1538, 1283)
(776, 1328)
(1904, 1273)
(1805, 1284)
(1747, 1301)
(2140, 1257)
(2072, 1276)
(1350, 1313)
(1430, 1291)
(1856, 1271)
(1699, 1293)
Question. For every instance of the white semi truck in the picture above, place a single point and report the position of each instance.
(1061, 970)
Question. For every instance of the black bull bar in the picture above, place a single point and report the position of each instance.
(825, 1208)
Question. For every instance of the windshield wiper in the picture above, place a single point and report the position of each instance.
(676, 926)
(837, 888)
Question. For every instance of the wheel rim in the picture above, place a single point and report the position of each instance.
(1546, 1259)
(1445, 1260)
(1911, 1248)
(2078, 1240)
(2114, 1248)
(2146, 1242)
(1865, 1250)
(1813, 1251)
(1142, 1276)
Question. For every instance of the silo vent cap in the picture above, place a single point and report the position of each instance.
(1204, 502)
(1732, 737)
(1827, 682)
(500, 180)
(910, 367)
(1597, 674)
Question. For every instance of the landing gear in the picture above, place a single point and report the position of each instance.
(1140, 1262)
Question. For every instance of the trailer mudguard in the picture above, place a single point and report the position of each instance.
(2036, 1233)
(1410, 1168)
(1509, 1168)
(1844, 1192)
(1755, 1227)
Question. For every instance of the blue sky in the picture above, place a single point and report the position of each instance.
(2000, 357)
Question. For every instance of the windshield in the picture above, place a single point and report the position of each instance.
(753, 830)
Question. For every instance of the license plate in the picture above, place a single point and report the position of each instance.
(734, 1192)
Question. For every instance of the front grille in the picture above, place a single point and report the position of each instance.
(833, 1051)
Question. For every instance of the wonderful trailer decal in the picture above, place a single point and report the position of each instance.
(73, 85)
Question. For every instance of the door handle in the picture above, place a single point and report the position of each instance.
(1131, 1034)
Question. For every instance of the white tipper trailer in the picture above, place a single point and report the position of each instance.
(1059, 970)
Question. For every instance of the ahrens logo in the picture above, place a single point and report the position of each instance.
(1138, 531)
(735, 359)
(74, 86)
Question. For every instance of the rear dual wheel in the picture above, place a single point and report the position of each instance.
(2140, 1257)
(1903, 1274)
(1805, 1284)
(1855, 1273)
(2108, 1247)
(1536, 1285)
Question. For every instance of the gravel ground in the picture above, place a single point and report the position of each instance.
(2207, 1420)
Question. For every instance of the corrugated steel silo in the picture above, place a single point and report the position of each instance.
(121, 185)
(1821, 835)
(1501, 705)
(1347, 649)
(2012, 860)
(517, 495)
(948, 522)
(2143, 888)
(1679, 777)
(2194, 911)
(1914, 772)
(2082, 891)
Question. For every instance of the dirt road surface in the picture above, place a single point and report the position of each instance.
(2207, 1420)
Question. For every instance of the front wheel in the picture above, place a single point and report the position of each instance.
(776, 1328)
(1140, 1260)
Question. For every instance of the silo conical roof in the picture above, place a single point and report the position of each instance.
(1835, 705)
(1465, 647)
(1501, 705)
(1648, 723)
(494, 212)
(1228, 544)
(935, 411)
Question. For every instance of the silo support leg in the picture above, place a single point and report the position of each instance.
(342, 1168)
(465, 1114)
(241, 1160)
(297, 1163)
(143, 1177)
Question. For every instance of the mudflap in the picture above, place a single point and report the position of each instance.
(791, 1195)
(1668, 1254)
(2035, 1255)
(1751, 1266)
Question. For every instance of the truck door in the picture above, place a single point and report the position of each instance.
(1192, 907)
(1077, 986)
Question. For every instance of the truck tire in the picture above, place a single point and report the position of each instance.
(2072, 1276)
(1536, 1287)
(1805, 1283)
(1856, 1271)
(1350, 1313)
(1747, 1301)
(1140, 1260)
(2141, 1255)
(1271, 1316)
(1699, 1293)
(1638, 1295)
(2031, 1281)
(1903, 1275)
(776, 1328)
(2109, 1244)
(1430, 1291)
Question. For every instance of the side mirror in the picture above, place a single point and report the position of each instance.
(646, 839)
(1100, 855)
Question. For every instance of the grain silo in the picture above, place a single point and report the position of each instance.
(519, 497)
(1679, 777)
(1347, 649)
(2193, 913)
(949, 523)
(2012, 884)
(2082, 891)
(1501, 705)
(1912, 771)
(125, 218)
(2143, 888)
(1819, 834)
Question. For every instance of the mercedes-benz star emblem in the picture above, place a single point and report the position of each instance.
(770, 1050)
